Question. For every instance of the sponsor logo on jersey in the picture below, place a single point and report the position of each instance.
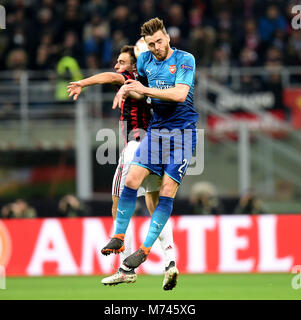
(172, 68)
(186, 67)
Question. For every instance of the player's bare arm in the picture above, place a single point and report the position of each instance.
(125, 62)
(176, 94)
(74, 88)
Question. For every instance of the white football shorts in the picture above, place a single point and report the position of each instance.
(150, 184)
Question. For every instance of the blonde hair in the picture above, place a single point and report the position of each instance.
(152, 26)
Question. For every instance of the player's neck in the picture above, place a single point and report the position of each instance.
(170, 52)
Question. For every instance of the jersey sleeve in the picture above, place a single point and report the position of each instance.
(185, 70)
(140, 65)
(128, 75)
(143, 80)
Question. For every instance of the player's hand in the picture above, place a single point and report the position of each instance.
(134, 85)
(118, 101)
(120, 97)
(74, 89)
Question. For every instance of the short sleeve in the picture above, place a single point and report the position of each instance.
(185, 69)
(140, 65)
(128, 75)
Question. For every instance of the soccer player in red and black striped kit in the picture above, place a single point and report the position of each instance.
(135, 116)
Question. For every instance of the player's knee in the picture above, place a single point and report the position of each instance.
(132, 181)
(167, 190)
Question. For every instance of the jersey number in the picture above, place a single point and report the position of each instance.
(185, 162)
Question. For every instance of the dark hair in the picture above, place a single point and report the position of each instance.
(152, 26)
(130, 51)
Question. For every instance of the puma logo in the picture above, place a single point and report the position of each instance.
(158, 224)
(121, 211)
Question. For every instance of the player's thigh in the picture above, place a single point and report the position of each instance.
(123, 167)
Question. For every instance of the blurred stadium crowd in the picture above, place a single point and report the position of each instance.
(217, 32)
(204, 200)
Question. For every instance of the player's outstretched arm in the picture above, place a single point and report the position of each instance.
(75, 88)
(175, 94)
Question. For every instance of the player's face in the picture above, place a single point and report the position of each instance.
(158, 44)
(124, 63)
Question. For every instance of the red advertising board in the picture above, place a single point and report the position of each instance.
(203, 244)
(270, 122)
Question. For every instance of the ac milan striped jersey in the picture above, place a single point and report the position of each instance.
(135, 115)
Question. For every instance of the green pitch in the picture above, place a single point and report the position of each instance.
(191, 287)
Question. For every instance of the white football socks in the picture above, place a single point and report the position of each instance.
(167, 244)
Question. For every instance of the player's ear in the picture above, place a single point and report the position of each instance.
(168, 37)
(134, 67)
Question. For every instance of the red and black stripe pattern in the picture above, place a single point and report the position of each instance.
(136, 113)
(118, 177)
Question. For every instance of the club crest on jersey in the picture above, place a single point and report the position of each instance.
(172, 68)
